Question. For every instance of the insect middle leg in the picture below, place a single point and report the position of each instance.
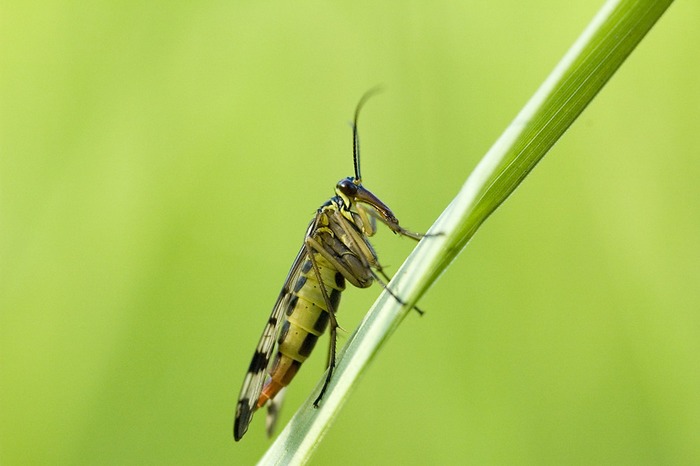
(368, 256)
(385, 285)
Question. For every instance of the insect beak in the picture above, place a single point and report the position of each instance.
(365, 196)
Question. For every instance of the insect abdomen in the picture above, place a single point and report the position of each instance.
(307, 318)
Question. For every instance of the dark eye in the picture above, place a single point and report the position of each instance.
(347, 187)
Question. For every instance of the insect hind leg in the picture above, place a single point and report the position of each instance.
(333, 322)
(385, 285)
(333, 335)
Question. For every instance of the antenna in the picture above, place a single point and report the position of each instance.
(355, 133)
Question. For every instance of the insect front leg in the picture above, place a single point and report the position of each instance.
(368, 218)
(395, 227)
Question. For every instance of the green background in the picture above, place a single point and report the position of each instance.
(159, 163)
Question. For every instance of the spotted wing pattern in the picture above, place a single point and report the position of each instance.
(257, 371)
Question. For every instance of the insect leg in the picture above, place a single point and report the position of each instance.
(333, 330)
(373, 214)
(368, 218)
(273, 410)
(369, 257)
(361, 282)
(388, 290)
(394, 227)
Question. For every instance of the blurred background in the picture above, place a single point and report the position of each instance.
(160, 161)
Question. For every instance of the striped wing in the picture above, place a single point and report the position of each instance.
(257, 371)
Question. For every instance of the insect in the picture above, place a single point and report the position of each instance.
(336, 249)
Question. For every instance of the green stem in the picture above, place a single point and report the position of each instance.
(591, 61)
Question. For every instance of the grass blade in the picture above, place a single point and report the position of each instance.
(591, 61)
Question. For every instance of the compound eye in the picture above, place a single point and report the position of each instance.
(347, 187)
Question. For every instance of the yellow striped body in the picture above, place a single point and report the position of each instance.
(306, 319)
